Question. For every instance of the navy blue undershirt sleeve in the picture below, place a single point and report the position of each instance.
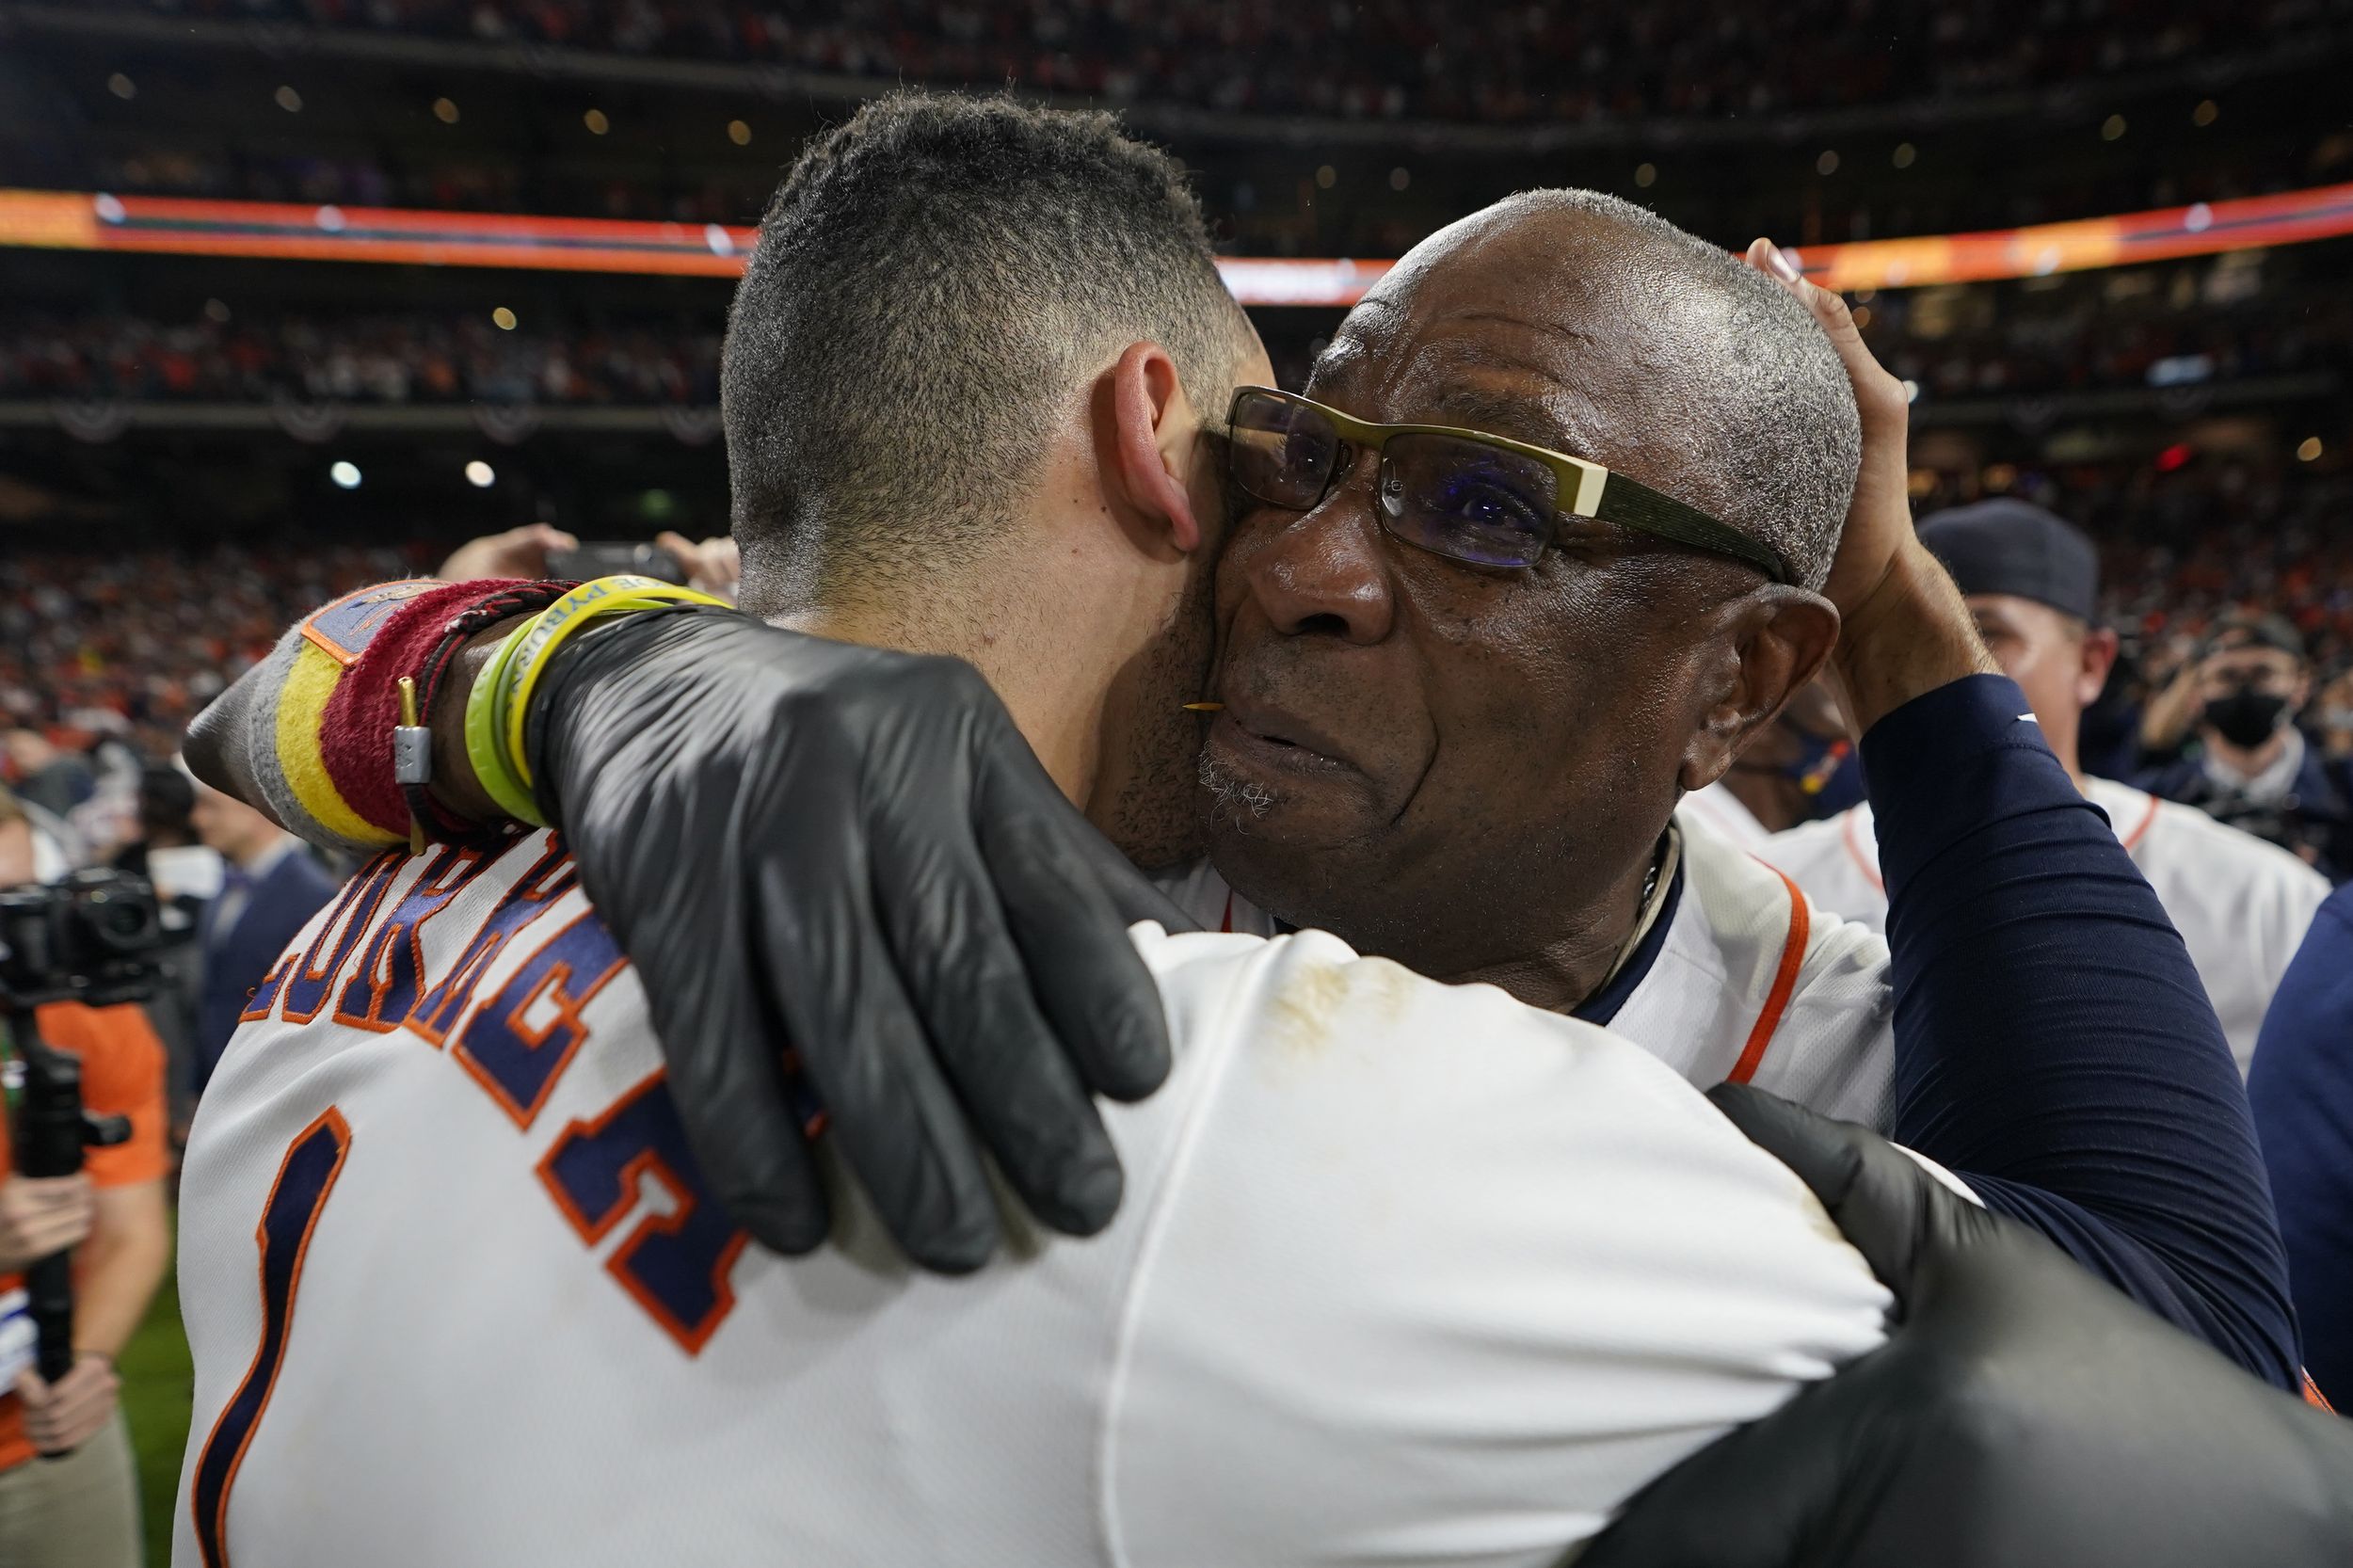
(2054, 1046)
(2302, 1093)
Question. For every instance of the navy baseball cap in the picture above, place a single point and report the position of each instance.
(2006, 546)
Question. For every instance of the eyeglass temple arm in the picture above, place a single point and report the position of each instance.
(1636, 505)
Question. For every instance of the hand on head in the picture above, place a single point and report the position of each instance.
(1905, 629)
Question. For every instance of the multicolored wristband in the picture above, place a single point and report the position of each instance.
(287, 746)
(320, 742)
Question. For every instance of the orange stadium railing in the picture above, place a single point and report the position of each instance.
(80, 220)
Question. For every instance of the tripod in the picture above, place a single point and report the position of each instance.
(51, 1130)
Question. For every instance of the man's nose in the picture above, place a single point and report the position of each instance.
(1324, 571)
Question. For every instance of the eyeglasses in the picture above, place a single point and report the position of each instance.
(1469, 496)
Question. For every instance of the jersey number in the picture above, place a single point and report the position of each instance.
(676, 1264)
(288, 1218)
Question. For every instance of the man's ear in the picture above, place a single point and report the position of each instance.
(1153, 432)
(2099, 657)
(1779, 639)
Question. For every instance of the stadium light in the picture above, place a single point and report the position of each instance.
(288, 99)
(598, 125)
(2112, 129)
(1646, 175)
(123, 86)
(480, 475)
(345, 476)
(2309, 449)
(739, 133)
(445, 110)
(504, 319)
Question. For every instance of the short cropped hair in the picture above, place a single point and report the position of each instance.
(1771, 421)
(935, 281)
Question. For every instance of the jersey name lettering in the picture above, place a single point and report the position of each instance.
(515, 1045)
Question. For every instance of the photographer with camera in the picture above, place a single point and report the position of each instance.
(69, 1493)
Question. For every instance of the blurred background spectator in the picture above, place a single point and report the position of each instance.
(270, 887)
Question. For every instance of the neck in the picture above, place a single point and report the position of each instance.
(1037, 665)
(1560, 974)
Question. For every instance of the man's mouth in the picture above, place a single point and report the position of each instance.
(1253, 735)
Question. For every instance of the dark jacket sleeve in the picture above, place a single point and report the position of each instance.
(2053, 1046)
(2302, 1092)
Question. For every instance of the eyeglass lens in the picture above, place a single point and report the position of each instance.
(1458, 498)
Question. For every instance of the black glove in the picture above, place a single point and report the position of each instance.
(2023, 1414)
(852, 855)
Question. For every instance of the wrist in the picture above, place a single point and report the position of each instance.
(455, 788)
(1910, 636)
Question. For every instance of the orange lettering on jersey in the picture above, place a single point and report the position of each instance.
(549, 879)
(519, 1042)
(677, 1265)
(307, 991)
(265, 996)
(391, 973)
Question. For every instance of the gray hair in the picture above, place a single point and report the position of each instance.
(1770, 427)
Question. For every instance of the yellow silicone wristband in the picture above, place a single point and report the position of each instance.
(535, 648)
(484, 736)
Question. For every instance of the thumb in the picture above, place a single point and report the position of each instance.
(1877, 1195)
(32, 1388)
(1796, 1487)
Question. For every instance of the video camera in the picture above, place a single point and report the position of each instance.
(85, 940)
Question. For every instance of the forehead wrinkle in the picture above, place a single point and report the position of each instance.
(1577, 335)
(1453, 382)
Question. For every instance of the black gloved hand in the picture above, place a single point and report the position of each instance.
(853, 854)
(2023, 1414)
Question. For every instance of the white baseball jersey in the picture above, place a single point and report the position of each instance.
(1754, 983)
(1404, 1273)
(2241, 904)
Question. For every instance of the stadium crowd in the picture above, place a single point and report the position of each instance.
(359, 359)
(1390, 59)
(2174, 327)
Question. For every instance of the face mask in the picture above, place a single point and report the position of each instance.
(1828, 771)
(1841, 788)
(2247, 718)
